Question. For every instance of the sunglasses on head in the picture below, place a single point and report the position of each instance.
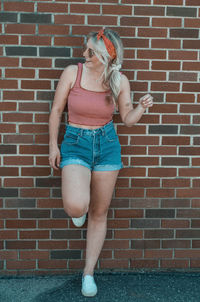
(91, 52)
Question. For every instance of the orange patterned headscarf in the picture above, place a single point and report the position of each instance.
(109, 45)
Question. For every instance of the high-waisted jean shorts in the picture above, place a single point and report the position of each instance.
(98, 150)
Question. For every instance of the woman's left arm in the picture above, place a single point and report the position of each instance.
(130, 115)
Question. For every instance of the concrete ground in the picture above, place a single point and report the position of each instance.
(112, 287)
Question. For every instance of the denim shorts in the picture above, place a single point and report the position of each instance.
(98, 150)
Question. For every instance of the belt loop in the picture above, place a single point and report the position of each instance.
(81, 132)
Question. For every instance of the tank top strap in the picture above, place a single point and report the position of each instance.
(79, 73)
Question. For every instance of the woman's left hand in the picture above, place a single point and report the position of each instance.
(146, 101)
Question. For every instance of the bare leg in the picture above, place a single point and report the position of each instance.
(76, 189)
(102, 186)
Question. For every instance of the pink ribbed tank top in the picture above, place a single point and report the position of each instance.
(86, 107)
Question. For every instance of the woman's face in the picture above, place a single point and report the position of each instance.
(91, 60)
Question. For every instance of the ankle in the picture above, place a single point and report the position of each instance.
(88, 272)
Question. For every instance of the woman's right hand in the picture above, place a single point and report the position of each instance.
(54, 157)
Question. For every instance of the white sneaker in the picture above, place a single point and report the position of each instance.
(89, 288)
(78, 222)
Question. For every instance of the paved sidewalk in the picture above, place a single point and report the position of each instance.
(112, 287)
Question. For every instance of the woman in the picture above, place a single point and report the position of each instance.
(90, 152)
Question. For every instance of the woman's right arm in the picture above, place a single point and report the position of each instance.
(65, 83)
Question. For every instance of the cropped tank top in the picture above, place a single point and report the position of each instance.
(86, 107)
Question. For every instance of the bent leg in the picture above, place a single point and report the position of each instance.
(102, 186)
(76, 189)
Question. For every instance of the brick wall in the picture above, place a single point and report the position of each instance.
(154, 219)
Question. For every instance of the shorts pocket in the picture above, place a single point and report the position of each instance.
(111, 136)
(71, 138)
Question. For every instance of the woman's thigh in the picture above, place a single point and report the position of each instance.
(76, 186)
(102, 186)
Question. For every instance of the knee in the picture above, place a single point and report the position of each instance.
(98, 215)
(75, 210)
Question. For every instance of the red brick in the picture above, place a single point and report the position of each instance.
(18, 95)
(35, 192)
(192, 22)
(174, 263)
(189, 172)
(145, 182)
(20, 28)
(8, 84)
(152, 32)
(51, 264)
(122, 224)
(56, 224)
(18, 6)
(162, 172)
(50, 203)
(162, 150)
(149, 10)
(18, 182)
(69, 19)
(49, 74)
(37, 84)
(114, 263)
(130, 193)
(182, 55)
(106, 20)
(19, 265)
(4, 171)
(188, 193)
(18, 139)
(8, 255)
(35, 40)
(191, 66)
(34, 255)
(8, 214)
(180, 98)
(176, 119)
(36, 62)
(166, 44)
(117, 10)
(144, 140)
(53, 29)
(134, 21)
(5, 39)
(69, 41)
(31, 128)
(166, 22)
(20, 224)
(187, 253)
(52, 7)
(158, 254)
(128, 254)
(128, 234)
(168, 2)
(17, 117)
(144, 263)
(174, 140)
(39, 234)
(85, 9)
(175, 183)
(34, 149)
(175, 224)
(129, 213)
(7, 234)
(52, 245)
(144, 161)
(149, 75)
(40, 107)
(164, 193)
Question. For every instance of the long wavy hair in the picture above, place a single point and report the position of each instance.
(111, 75)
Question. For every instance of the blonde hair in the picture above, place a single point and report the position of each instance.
(111, 75)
